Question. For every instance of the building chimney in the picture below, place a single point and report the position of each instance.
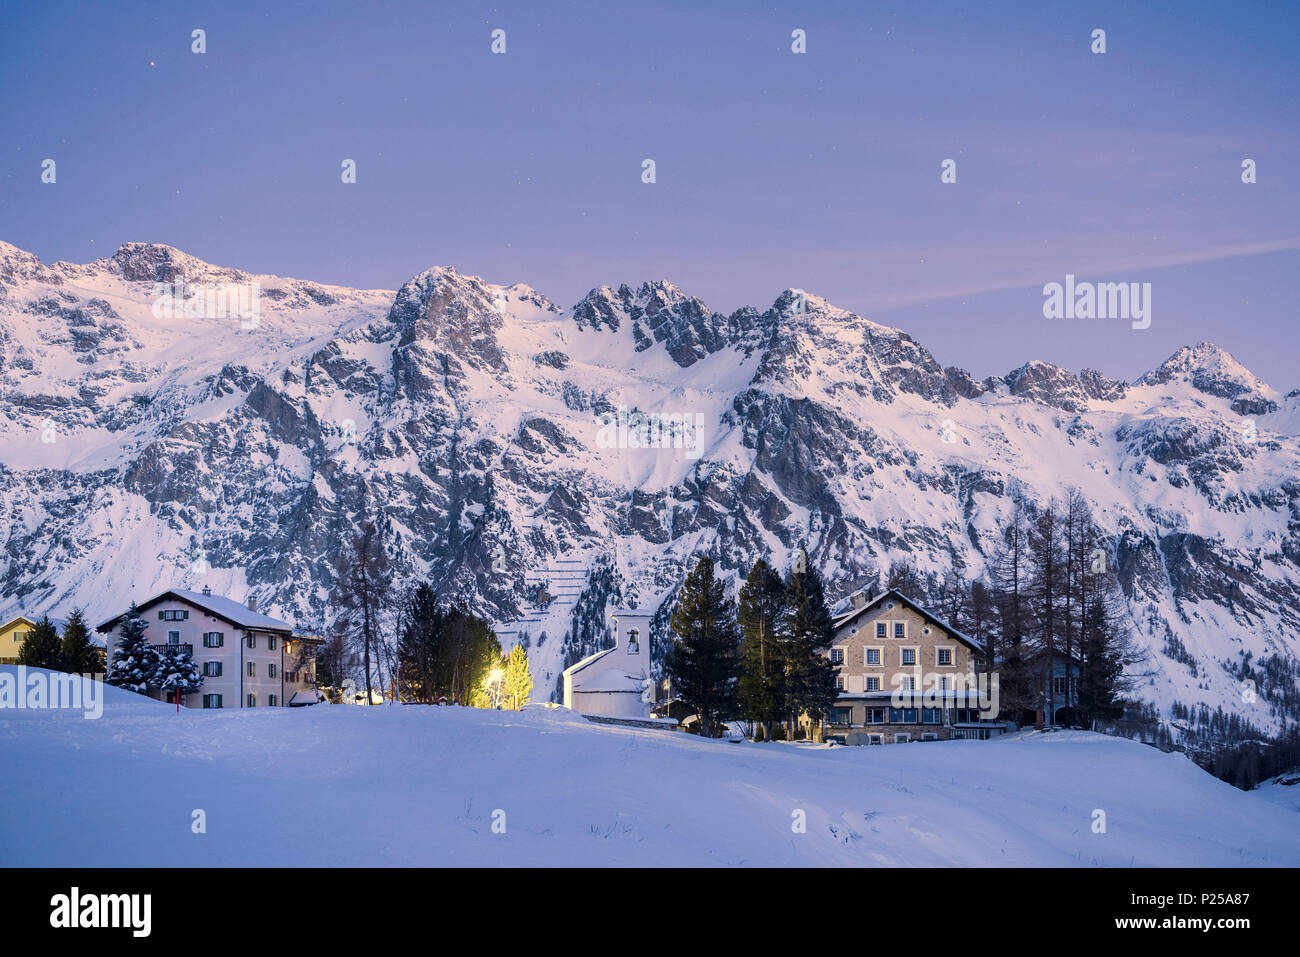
(860, 600)
(252, 603)
(207, 590)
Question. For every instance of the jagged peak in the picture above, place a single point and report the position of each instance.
(1214, 371)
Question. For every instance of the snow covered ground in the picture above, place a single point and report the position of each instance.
(1282, 790)
(412, 785)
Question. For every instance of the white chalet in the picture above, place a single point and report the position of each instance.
(615, 681)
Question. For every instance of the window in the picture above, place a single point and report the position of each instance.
(943, 656)
(929, 736)
(900, 629)
(839, 682)
(873, 656)
(932, 716)
(252, 640)
(842, 716)
(212, 701)
(902, 738)
(214, 639)
(908, 683)
(875, 739)
(252, 701)
(270, 642)
(902, 716)
(252, 669)
(270, 670)
(1058, 684)
(212, 669)
(173, 614)
(909, 656)
(272, 700)
(875, 716)
(837, 656)
(173, 637)
(873, 682)
(881, 631)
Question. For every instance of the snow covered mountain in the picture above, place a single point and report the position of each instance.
(473, 421)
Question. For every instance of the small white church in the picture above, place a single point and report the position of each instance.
(615, 682)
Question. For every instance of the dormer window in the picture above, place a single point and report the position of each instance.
(634, 641)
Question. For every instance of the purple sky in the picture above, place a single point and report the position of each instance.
(818, 171)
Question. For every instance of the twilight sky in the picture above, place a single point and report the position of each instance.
(774, 170)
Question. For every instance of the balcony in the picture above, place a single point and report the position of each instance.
(188, 649)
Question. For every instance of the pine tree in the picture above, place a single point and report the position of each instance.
(762, 604)
(517, 681)
(174, 670)
(703, 661)
(418, 644)
(133, 659)
(77, 654)
(805, 633)
(40, 647)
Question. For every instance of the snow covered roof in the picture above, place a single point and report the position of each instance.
(843, 617)
(58, 623)
(226, 609)
(579, 665)
(630, 613)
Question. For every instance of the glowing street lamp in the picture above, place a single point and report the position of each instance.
(494, 682)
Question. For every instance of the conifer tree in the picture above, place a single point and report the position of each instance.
(77, 654)
(174, 670)
(40, 647)
(517, 680)
(133, 659)
(805, 633)
(761, 607)
(703, 661)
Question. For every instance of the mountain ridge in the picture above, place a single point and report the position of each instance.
(464, 415)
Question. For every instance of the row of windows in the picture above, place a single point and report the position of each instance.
(905, 683)
(888, 629)
(211, 639)
(214, 701)
(906, 656)
(895, 715)
(212, 669)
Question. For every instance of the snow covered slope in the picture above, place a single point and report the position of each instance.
(138, 453)
(422, 786)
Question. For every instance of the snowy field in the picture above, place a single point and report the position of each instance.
(422, 786)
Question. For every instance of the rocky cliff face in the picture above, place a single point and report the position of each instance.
(503, 443)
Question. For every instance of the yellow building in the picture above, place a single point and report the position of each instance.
(11, 639)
